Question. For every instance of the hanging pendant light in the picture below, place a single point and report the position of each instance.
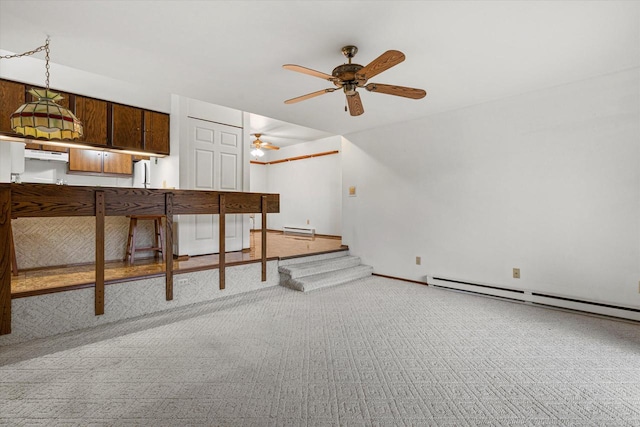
(45, 118)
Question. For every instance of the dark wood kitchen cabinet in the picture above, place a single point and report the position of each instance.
(156, 132)
(12, 96)
(93, 114)
(126, 127)
(140, 130)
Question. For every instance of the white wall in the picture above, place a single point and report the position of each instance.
(547, 181)
(259, 184)
(309, 189)
(31, 70)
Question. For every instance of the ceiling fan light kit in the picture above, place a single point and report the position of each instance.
(256, 152)
(349, 77)
(258, 145)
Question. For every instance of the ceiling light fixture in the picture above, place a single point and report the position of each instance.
(256, 152)
(44, 118)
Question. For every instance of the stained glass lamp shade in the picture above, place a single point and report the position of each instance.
(46, 119)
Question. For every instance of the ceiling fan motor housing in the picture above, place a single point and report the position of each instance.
(348, 73)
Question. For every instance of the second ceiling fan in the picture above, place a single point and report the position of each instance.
(258, 145)
(349, 77)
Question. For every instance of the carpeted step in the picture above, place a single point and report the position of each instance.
(320, 266)
(325, 279)
(309, 258)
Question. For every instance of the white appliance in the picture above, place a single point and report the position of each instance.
(46, 155)
(17, 157)
(142, 174)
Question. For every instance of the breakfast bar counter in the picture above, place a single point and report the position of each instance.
(47, 201)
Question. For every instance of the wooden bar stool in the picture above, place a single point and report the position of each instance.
(158, 238)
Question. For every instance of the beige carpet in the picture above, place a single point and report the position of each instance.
(371, 352)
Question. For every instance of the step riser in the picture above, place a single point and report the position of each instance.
(316, 268)
(302, 260)
(338, 278)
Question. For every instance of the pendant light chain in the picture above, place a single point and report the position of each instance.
(46, 57)
(44, 47)
(42, 117)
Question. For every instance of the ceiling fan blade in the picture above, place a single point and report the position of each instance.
(269, 146)
(381, 63)
(355, 104)
(407, 92)
(309, 95)
(309, 71)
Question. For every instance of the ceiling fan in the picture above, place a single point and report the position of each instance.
(349, 77)
(258, 145)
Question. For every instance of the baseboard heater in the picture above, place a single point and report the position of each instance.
(299, 231)
(537, 298)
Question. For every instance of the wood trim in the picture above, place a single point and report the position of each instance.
(14, 261)
(291, 159)
(99, 290)
(5, 264)
(47, 200)
(325, 236)
(214, 266)
(329, 236)
(168, 245)
(400, 278)
(222, 222)
(264, 239)
(45, 291)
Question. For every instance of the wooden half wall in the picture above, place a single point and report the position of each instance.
(47, 200)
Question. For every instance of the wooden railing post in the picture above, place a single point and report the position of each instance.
(222, 238)
(168, 244)
(5, 264)
(264, 238)
(99, 289)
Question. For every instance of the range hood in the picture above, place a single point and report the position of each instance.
(46, 155)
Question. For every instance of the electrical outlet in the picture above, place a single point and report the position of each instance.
(516, 273)
(180, 282)
(418, 260)
(307, 222)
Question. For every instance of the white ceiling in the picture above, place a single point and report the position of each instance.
(231, 52)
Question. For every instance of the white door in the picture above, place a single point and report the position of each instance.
(215, 159)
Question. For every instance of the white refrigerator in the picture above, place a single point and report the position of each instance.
(142, 174)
